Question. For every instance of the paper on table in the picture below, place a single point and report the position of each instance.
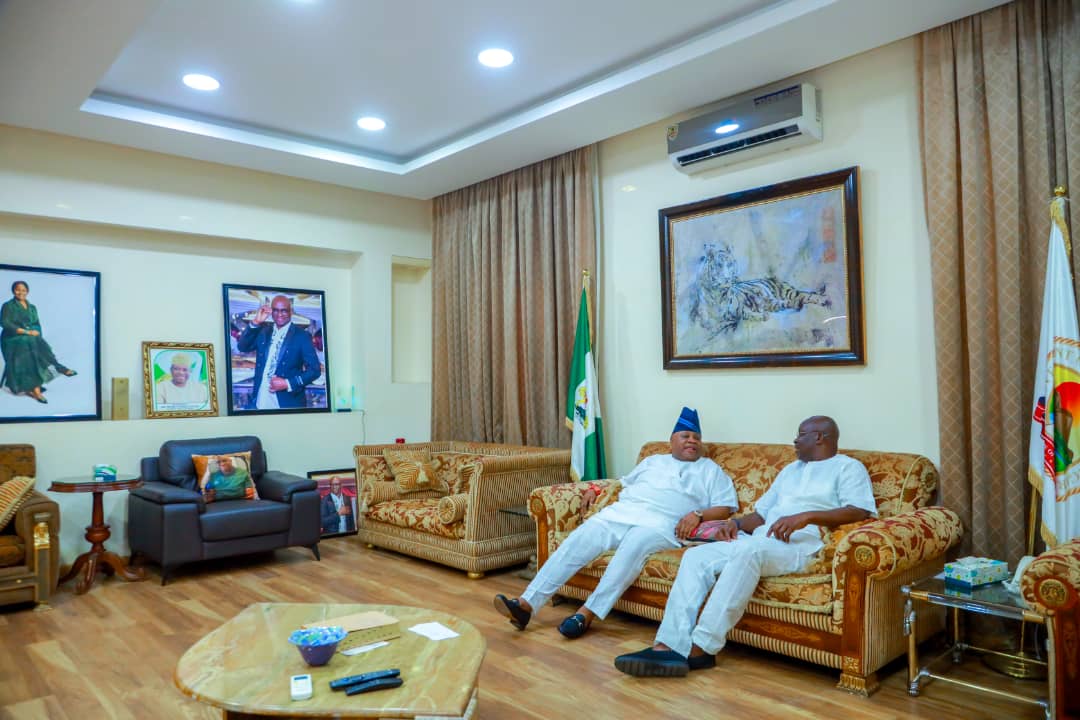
(433, 631)
(364, 648)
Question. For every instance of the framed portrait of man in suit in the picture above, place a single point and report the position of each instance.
(338, 503)
(276, 353)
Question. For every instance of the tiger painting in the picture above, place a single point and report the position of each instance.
(719, 301)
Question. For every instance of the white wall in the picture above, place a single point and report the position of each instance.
(165, 233)
(870, 114)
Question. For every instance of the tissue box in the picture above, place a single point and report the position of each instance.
(105, 473)
(971, 572)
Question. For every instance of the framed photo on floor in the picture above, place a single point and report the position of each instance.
(338, 502)
(179, 380)
(50, 354)
(276, 350)
(764, 277)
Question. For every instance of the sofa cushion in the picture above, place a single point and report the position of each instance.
(13, 494)
(413, 470)
(225, 477)
(12, 550)
(420, 515)
(232, 519)
(449, 467)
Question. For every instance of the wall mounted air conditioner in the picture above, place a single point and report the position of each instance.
(747, 126)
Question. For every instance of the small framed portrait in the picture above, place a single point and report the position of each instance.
(50, 356)
(770, 276)
(277, 360)
(179, 380)
(338, 502)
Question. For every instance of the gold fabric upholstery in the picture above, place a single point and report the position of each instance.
(30, 543)
(1051, 586)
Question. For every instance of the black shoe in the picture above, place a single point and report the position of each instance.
(519, 616)
(701, 662)
(653, 663)
(66, 371)
(574, 626)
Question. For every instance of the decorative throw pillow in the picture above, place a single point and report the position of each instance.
(412, 470)
(707, 531)
(225, 477)
(13, 494)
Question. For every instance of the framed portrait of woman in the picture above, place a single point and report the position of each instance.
(179, 380)
(50, 354)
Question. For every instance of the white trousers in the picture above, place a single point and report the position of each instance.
(731, 570)
(632, 546)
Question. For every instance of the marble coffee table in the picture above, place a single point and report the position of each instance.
(244, 666)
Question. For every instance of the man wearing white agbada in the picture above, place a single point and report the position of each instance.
(664, 498)
(820, 489)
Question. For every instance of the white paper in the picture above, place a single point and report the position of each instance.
(433, 631)
(364, 648)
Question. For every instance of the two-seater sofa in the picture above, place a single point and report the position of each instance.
(846, 611)
(462, 521)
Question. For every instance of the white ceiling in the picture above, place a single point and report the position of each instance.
(296, 74)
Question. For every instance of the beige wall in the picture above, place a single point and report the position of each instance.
(165, 233)
(870, 115)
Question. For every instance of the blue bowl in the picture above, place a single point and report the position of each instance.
(317, 644)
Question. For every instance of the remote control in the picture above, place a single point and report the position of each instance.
(343, 682)
(380, 684)
(300, 687)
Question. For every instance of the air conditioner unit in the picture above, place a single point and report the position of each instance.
(747, 126)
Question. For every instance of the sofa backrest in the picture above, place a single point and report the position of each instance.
(173, 463)
(902, 481)
(17, 460)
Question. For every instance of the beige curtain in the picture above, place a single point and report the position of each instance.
(508, 255)
(1000, 115)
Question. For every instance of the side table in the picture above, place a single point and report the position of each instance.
(993, 599)
(97, 532)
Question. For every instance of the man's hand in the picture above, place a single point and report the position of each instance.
(728, 531)
(587, 500)
(686, 525)
(278, 383)
(785, 526)
(344, 510)
(261, 315)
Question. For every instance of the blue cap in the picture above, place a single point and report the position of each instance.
(688, 420)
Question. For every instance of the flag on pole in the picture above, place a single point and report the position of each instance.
(583, 402)
(1054, 453)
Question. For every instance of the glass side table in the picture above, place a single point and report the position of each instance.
(993, 599)
(97, 558)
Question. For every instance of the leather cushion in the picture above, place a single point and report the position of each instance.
(12, 550)
(231, 519)
(174, 458)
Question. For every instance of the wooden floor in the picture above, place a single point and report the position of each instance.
(111, 653)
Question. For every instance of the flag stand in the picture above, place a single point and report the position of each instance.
(1025, 664)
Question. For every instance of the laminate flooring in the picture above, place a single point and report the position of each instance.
(111, 652)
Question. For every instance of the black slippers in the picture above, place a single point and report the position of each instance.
(519, 617)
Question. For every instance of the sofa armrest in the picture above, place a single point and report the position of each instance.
(163, 493)
(37, 522)
(1051, 583)
(374, 492)
(504, 482)
(557, 511)
(279, 486)
(885, 547)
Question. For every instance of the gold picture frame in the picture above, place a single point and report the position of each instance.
(164, 396)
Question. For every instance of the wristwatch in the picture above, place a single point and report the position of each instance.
(700, 515)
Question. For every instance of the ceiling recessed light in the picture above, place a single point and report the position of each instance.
(495, 57)
(196, 81)
(727, 127)
(371, 123)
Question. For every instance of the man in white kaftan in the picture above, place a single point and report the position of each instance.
(662, 500)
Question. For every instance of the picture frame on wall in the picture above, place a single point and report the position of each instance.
(179, 380)
(765, 277)
(338, 501)
(50, 352)
(277, 358)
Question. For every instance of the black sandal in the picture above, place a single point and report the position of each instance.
(574, 626)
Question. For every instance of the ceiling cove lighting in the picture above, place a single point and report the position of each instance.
(495, 57)
(195, 81)
(726, 128)
(370, 123)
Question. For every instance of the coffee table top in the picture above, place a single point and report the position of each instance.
(245, 665)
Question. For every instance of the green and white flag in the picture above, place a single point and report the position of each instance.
(583, 405)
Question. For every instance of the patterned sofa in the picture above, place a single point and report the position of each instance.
(1051, 585)
(846, 611)
(464, 530)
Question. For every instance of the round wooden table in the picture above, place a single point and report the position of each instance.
(97, 532)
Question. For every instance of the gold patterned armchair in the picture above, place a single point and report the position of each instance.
(29, 544)
(846, 610)
(1051, 585)
(457, 522)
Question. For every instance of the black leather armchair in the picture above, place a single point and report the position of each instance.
(171, 524)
